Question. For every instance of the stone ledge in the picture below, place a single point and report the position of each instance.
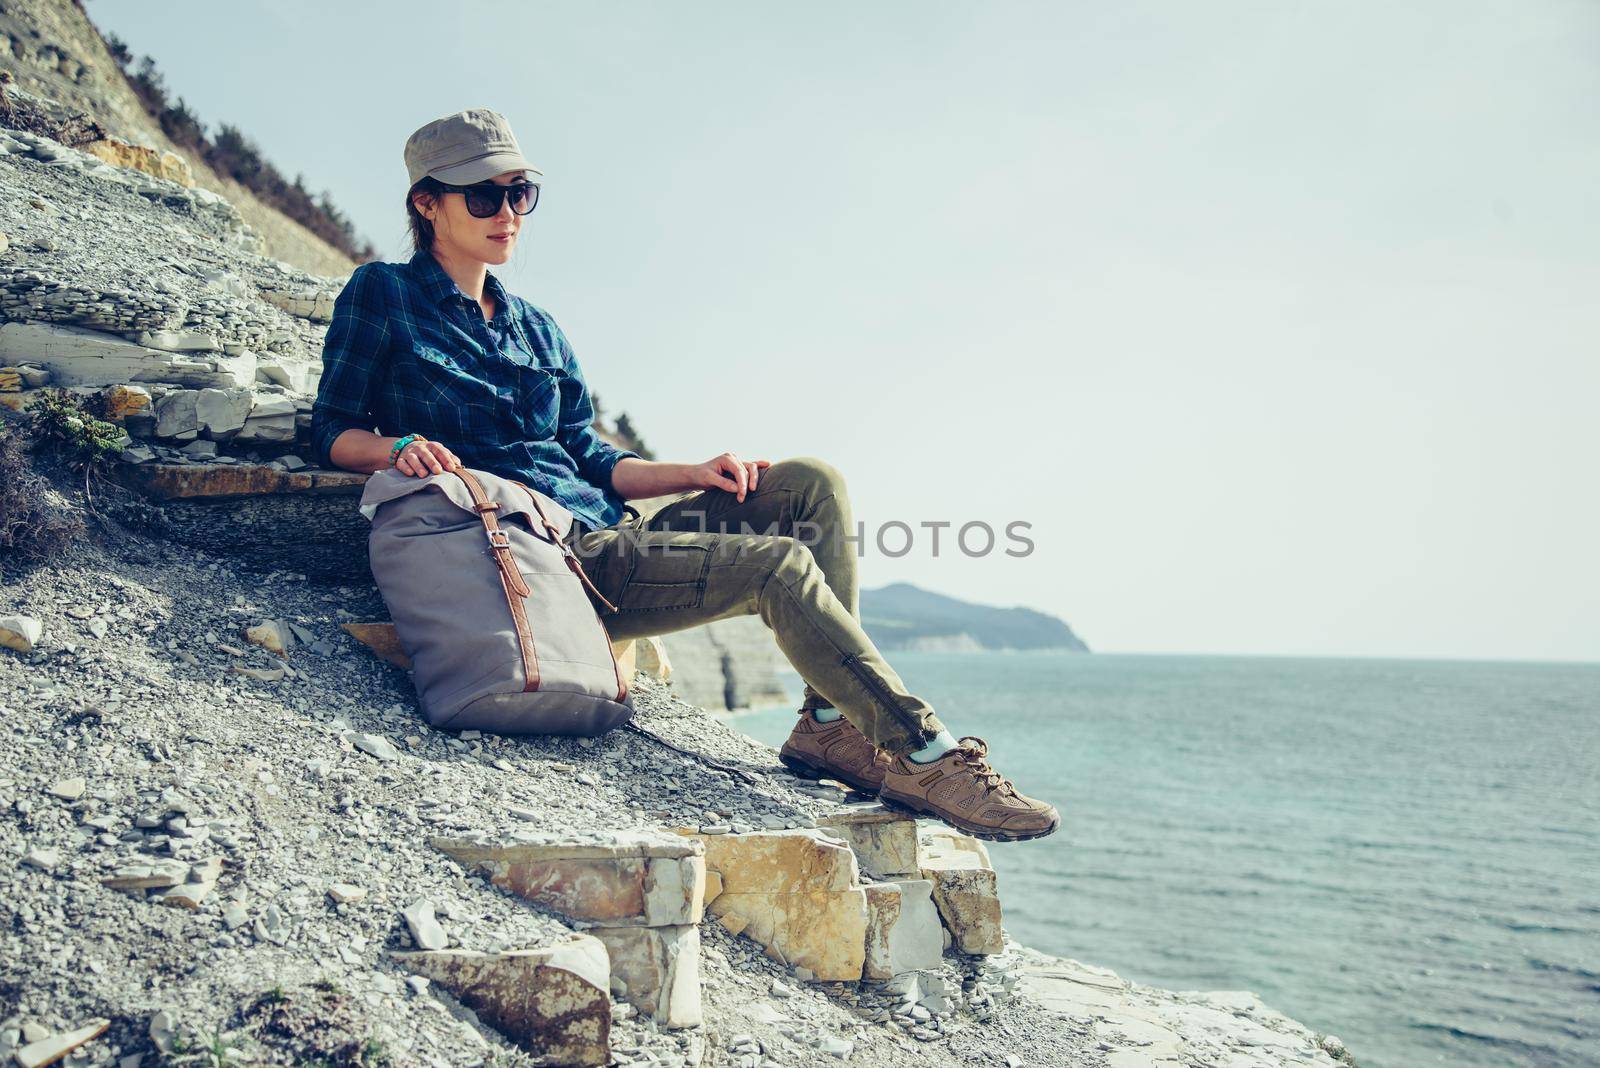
(217, 482)
(800, 895)
(643, 891)
(635, 880)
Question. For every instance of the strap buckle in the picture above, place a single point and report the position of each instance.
(498, 539)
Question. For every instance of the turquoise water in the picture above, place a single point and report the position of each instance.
(1405, 854)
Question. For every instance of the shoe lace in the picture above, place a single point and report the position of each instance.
(973, 753)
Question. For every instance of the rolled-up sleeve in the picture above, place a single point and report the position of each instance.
(352, 359)
(594, 456)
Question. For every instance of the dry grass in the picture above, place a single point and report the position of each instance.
(35, 519)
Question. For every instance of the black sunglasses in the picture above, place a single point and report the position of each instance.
(484, 199)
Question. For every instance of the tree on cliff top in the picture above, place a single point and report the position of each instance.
(237, 156)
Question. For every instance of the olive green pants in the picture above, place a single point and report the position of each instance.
(780, 554)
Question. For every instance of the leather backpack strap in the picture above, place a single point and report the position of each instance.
(510, 577)
(566, 551)
(577, 569)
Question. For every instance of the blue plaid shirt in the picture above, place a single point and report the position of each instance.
(409, 353)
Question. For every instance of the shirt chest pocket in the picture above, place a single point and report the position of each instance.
(440, 378)
(451, 396)
(538, 403)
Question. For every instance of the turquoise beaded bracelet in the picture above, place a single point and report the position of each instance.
(400, 446)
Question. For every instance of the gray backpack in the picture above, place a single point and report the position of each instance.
(491, 605)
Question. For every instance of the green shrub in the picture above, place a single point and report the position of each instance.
(66, 432)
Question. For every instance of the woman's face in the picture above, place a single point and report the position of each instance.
(463, 235)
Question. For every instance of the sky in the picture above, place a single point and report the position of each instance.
(1276, 322)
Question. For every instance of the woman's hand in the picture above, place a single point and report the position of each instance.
(424, 458)
(728, 472)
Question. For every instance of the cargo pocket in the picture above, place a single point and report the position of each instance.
(666, 576)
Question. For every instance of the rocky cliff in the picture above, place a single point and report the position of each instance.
(53, 51)
(230, 838)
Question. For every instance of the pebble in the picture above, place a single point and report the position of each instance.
(374, 745)
(43, 859)
(188, 896)
(163, 1030)
(21, 633)
(838, 1047)
(68, 789)
(425, 929)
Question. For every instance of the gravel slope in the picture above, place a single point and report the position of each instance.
(137, 689)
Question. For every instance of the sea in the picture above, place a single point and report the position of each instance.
(1405, 854)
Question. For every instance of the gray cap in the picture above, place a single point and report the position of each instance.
(469, 146)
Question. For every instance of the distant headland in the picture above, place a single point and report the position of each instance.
(903, 616)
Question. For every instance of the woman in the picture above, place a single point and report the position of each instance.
(452, 369)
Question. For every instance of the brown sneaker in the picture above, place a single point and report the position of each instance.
(961, 789)
(834, 750)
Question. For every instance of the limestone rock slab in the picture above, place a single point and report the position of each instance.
(302, 378)
(637, 880)
(661, 967)
(552, 1001)
(958, 850)
(903, 932)
(76, 356)
(122, 401)
(651, 658)
(775, 862)
(822, 930)
(627, 657)
(885, 842)
(382, 640)
(1141, 1027)
(221, 412)
(177, 414)
(120, 153)
(965, 889)
(796, 892)
(169, 482)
